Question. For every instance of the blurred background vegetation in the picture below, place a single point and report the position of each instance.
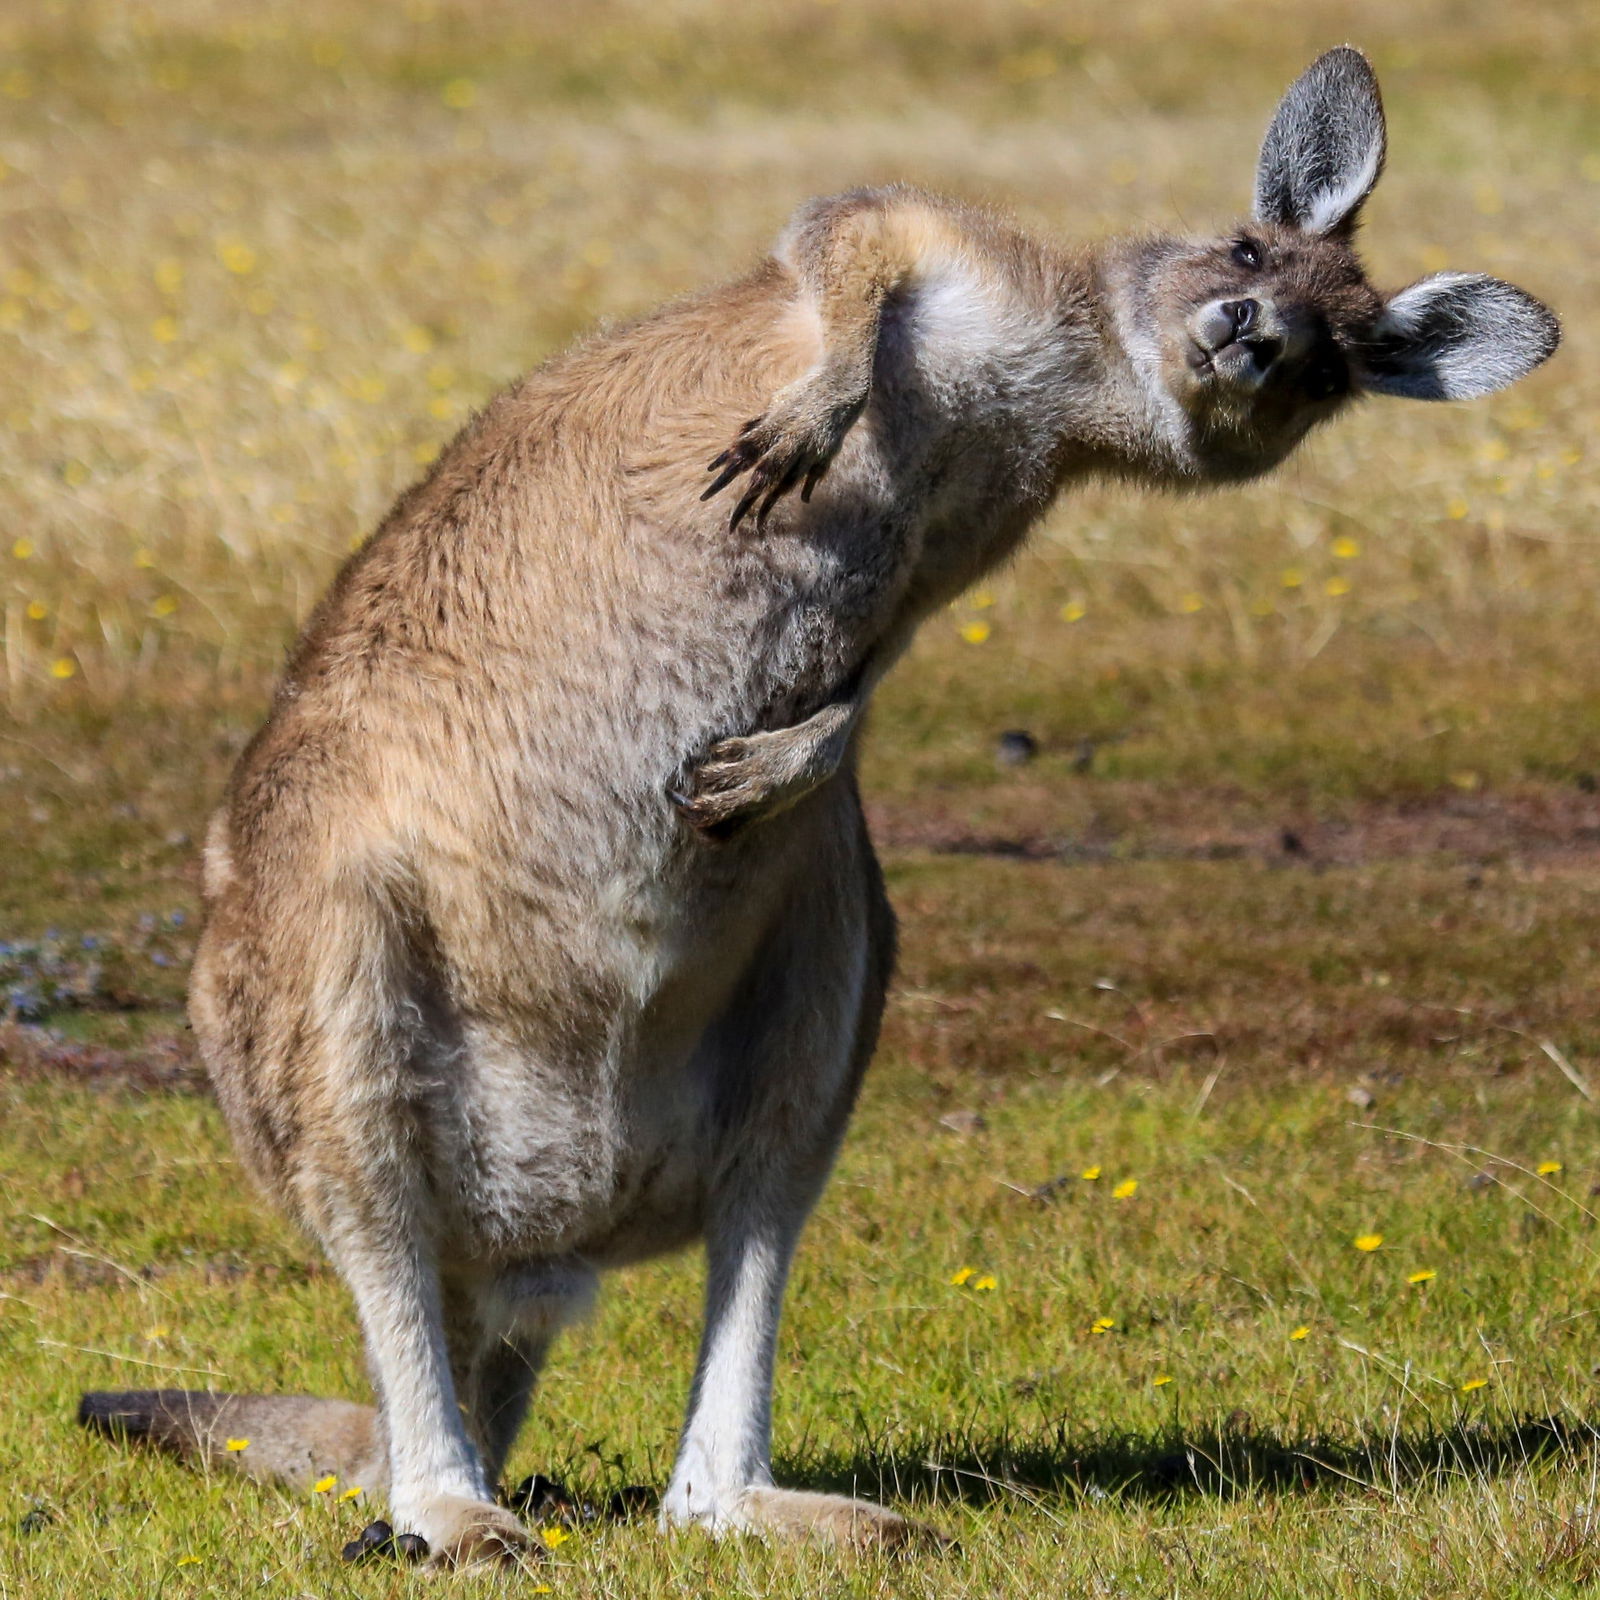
(258, 262)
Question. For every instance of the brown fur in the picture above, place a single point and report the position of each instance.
(484, 1008)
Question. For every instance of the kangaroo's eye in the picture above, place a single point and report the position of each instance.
(1247, 253)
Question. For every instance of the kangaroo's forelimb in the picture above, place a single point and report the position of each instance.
(848, 255)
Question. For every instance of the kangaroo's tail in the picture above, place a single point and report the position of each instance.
(286, 1438)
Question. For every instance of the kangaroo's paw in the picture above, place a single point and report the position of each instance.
(462, 1532)
(735, 783)
(795, 439)
(755, 776)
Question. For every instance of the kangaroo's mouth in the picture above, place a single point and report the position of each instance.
(1241, 363)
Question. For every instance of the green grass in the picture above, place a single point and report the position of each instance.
(1314, 813)
(1355, 1459)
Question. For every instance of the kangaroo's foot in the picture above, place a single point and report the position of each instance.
(795, 1514)
(461, 1532)
(796, 438)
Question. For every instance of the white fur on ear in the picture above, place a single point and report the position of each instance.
(1455, 336)
(1324, 150)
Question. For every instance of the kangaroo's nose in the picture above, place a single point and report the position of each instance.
(1226, 322)
(1244, 313)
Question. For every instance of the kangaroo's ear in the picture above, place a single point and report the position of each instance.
(1324, 150)
(1455, 336)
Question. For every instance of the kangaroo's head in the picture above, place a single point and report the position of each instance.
(1250, 339)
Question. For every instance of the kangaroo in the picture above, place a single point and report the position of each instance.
(543, 929)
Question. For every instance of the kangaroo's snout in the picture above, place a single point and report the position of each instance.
(1238, 339)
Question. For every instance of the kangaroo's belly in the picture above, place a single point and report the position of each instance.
(586, 1109)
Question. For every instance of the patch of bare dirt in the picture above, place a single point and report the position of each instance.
(1122, 822)
(160, 1064)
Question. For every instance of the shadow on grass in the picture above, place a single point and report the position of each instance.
(1176, 1463)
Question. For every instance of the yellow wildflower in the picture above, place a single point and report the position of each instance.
(1337, 587)
(37, 611)
(352, 1492)
(1074, 611)
(1422, 1275)
(975, 632)
(164, 330)
(1367, 1241)
(1473, 1383)
(1302, 1332)
(236, 256)
(987, 1281)
(236, 1445)
(63, 667)
(1126, 1190)
(1346, 548)
(960, 1277)
(554, 1538)
(1548, 1169)
(1292, 577)
(22, 549)
(1191, 603)
(1089, 1174)
(459, 93)
(982, 599)
(323, 1485)
(1102, 1325)
(1456, 510)
(163, 605)
(1160, 1380)
(188, 1561)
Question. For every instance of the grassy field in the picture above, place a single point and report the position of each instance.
(1286, 935)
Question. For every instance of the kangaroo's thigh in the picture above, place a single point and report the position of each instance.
(798, 1036)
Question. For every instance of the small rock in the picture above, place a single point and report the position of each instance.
(963, 1122)
(1479, 1181)
(1016, 747)
(1358, 1096)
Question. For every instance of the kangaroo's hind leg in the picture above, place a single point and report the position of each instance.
(321, 1053)
(788, 1057)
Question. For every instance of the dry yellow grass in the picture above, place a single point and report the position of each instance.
(254, 268)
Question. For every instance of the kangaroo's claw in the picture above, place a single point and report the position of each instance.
(793, 443)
